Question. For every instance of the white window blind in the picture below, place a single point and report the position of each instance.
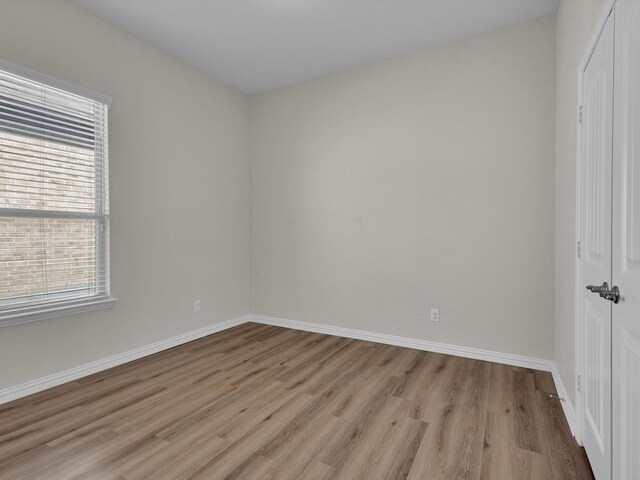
(53, 197)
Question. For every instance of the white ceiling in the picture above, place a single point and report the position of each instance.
(259, 45)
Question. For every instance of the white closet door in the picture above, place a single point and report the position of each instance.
(597, 138)
(626, 244)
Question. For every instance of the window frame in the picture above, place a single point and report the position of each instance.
(18, 315)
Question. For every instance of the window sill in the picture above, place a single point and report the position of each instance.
(44, 313)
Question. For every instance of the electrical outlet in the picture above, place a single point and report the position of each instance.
(196, 306)
(435, 314)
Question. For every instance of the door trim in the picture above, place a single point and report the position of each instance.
(579, 360)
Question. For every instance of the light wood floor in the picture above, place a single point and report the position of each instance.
(258, 402)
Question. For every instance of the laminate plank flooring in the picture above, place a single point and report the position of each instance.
(262, 403)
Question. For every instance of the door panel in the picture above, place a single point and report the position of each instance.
(627, 437)
(594, 390)
(597, 138)
(626, 244)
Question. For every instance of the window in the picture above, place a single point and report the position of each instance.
(54, 210)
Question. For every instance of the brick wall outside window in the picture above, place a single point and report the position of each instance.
(40, 255)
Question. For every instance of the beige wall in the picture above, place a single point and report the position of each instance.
(575, 22)
(423, 181)
(179, 190)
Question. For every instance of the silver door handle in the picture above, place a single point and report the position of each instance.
(612, 295)
(600, 289)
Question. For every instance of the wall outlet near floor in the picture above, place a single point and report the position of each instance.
(435, 314)
(196, 305)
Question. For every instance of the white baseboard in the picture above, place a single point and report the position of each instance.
(567, 406)
(34, 386)
(467, 352)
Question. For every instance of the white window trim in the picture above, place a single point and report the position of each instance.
(34, 314)
(62, 309)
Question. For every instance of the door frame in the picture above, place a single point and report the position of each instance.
(607, 7)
